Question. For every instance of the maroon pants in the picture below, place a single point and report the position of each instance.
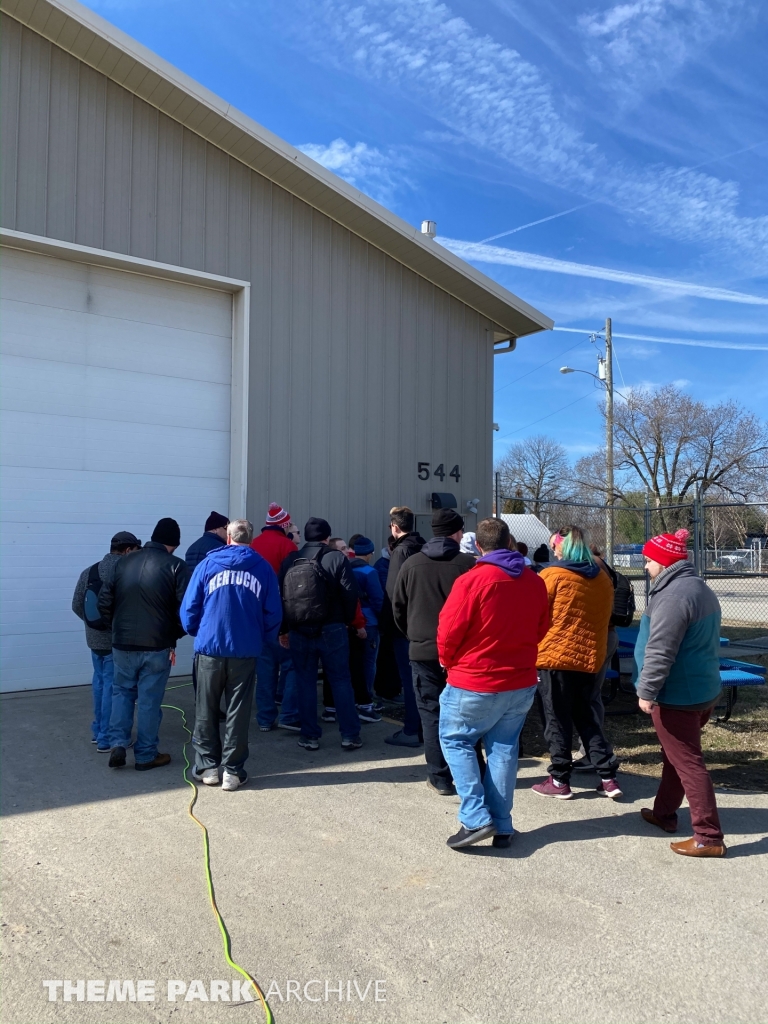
(685, 773)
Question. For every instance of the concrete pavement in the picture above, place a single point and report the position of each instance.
(332, 868)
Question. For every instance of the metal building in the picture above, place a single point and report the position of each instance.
(197, 316)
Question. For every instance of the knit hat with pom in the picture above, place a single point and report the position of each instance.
(667, 548)
(277, 516)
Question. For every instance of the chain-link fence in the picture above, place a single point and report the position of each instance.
(728, 545)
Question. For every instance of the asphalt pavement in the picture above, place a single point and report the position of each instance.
(332, 874)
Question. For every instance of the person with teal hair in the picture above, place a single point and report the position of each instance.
(569, 658)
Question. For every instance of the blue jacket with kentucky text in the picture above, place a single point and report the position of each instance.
(232, 604)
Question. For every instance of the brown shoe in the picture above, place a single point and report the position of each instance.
(651, 818)
(691, 848)
(159, 761)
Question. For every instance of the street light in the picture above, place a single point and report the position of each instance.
(605, 377)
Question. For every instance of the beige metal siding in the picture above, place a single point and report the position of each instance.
(359, 367)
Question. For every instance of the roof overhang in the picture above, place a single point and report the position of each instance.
(102, 46)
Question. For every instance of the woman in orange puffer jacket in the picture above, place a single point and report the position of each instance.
(570, 656)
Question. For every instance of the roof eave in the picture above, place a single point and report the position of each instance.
(107, 49)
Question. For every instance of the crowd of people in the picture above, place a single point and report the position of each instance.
(467, 627)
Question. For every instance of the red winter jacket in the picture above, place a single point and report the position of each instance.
(273, 545)
(491, 625)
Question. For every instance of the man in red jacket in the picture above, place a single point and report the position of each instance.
(275, 542)
(487, 638)
(274, 667)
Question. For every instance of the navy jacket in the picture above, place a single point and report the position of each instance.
(232, 604)
(370, 590)
(199, 548)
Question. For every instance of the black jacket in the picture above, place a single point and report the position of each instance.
(343, 595)
(199, 548)
(142, 600)
(406, 546)
(422, 588)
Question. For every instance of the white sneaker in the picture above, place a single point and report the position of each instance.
(209, 777)
(232, 781)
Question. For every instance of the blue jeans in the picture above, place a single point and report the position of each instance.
(331, 647)
(140, 680)
(371, 655)
(273, 663)
(412, 723)
(103, 674)
(497, 719)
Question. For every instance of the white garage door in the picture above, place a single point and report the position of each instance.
(115, 412)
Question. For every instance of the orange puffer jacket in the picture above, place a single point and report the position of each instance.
(580, 606)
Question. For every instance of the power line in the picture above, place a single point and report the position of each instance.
(561, 409)
(546, 361)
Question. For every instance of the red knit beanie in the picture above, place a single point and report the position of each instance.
(277, 516)
(667, 548)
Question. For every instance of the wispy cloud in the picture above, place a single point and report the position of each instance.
(476, 252)
(642, 44)
(689, 342)
(497, 101)
(377, 174)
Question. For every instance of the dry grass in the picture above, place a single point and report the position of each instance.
(736, 751)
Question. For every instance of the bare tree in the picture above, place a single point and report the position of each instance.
(537, 468)
(667, 444)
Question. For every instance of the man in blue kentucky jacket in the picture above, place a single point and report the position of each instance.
(232, 605)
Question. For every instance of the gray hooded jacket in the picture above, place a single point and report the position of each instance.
(99, 641)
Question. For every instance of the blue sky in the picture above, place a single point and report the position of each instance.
(636, 133)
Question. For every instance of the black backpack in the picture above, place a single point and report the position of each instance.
(91, 612)
(623, 601)
(306, 593)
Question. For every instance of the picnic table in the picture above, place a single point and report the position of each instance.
(733, 674)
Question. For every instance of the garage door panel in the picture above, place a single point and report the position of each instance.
(116, 423)
(95, 498)
(100, 393)
(58, 660)
(76, 337)
(45, 281)
(75, 443)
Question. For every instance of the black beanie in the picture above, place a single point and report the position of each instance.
(167, 532)
(445, 522)
(215, 521)
(317, 529)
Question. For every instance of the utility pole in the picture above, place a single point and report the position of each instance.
(604, 376)
(609, 442)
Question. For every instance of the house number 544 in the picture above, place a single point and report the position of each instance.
(424, 472)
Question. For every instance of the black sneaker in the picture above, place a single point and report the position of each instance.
(470, 836)
(367, 714)
(503, 841)
(378, 705)
(308, 744)
(354, 744)
(117, 757)
(328, 715)
(441, 787)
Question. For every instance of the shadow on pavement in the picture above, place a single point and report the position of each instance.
(735, 821)
(48, 760)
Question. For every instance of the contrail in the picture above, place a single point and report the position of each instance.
(533, 223)
(594, 202)
(496, 254)
(675, 341)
